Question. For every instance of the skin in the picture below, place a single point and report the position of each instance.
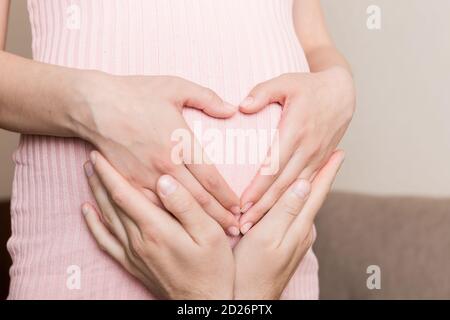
(117, 115)
(317, 109)
(184, 254)
(4, 10)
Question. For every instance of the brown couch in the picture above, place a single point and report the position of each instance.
(408, 238)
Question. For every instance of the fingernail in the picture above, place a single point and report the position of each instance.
(246, 207)
(246, 227)
(85, 209)
(167, 185)
(236, 210)
(88, 169)
(233, 231)
(93, 157)
(301, 188)
(247, 102)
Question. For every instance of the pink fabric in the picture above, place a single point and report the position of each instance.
(228, 46)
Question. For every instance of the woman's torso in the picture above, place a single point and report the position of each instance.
(228, 46)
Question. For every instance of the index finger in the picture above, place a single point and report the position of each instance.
(319, 191)
(185, 208)
(132, 202)
(281, 151)
(213, 182)
(286, 209)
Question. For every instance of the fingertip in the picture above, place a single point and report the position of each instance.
(247, 102)
(88, 169)
(93, 156)
(250, 109)
(87, 209)
(247, 206)
(236, 210)
(245, 198)
(229, 109)
(223, 110)
(246, 227)
(233, 231)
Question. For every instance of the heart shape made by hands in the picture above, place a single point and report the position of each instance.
(238, 145)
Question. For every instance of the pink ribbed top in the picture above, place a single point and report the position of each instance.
(227, 45)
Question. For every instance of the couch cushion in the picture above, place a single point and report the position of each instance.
(407, 237)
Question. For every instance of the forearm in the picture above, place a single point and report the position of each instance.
(326, 57)
(42, 99)
(312, 32)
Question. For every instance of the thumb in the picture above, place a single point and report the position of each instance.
(178, 201)
(263, 94)
(206, 100)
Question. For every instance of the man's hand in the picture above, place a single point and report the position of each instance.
(183, 254)
(269, 254)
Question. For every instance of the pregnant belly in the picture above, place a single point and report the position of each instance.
(50, 237)
(237, 146)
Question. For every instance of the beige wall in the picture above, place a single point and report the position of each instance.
(19, 42)
(399, 141)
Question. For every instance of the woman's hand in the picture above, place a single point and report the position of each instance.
(185, 255)
(268, 255)
(131, 121)
(317, 109)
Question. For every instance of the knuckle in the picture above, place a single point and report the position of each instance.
(308, 241)
(259, 212)
(212, 182)
(101, 243)
(314, 150)
(291, 207)
(259, 88)
(266, 241)
(286, 76)
(277, 190)
(151, 234)
(181, 204)
(173, 81)
(166, 166)
(137, 247)
(213, 236)
(118, 196)
(209, 96)
(204, 199)
(108, 220)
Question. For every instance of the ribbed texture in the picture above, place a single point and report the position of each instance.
(228, 46)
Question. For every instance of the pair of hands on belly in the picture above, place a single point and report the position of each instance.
(186, 254)
(130, 121)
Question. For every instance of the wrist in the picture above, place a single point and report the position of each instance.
(338, 78)
(250, 292)
(337, 83)
(79, 107)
